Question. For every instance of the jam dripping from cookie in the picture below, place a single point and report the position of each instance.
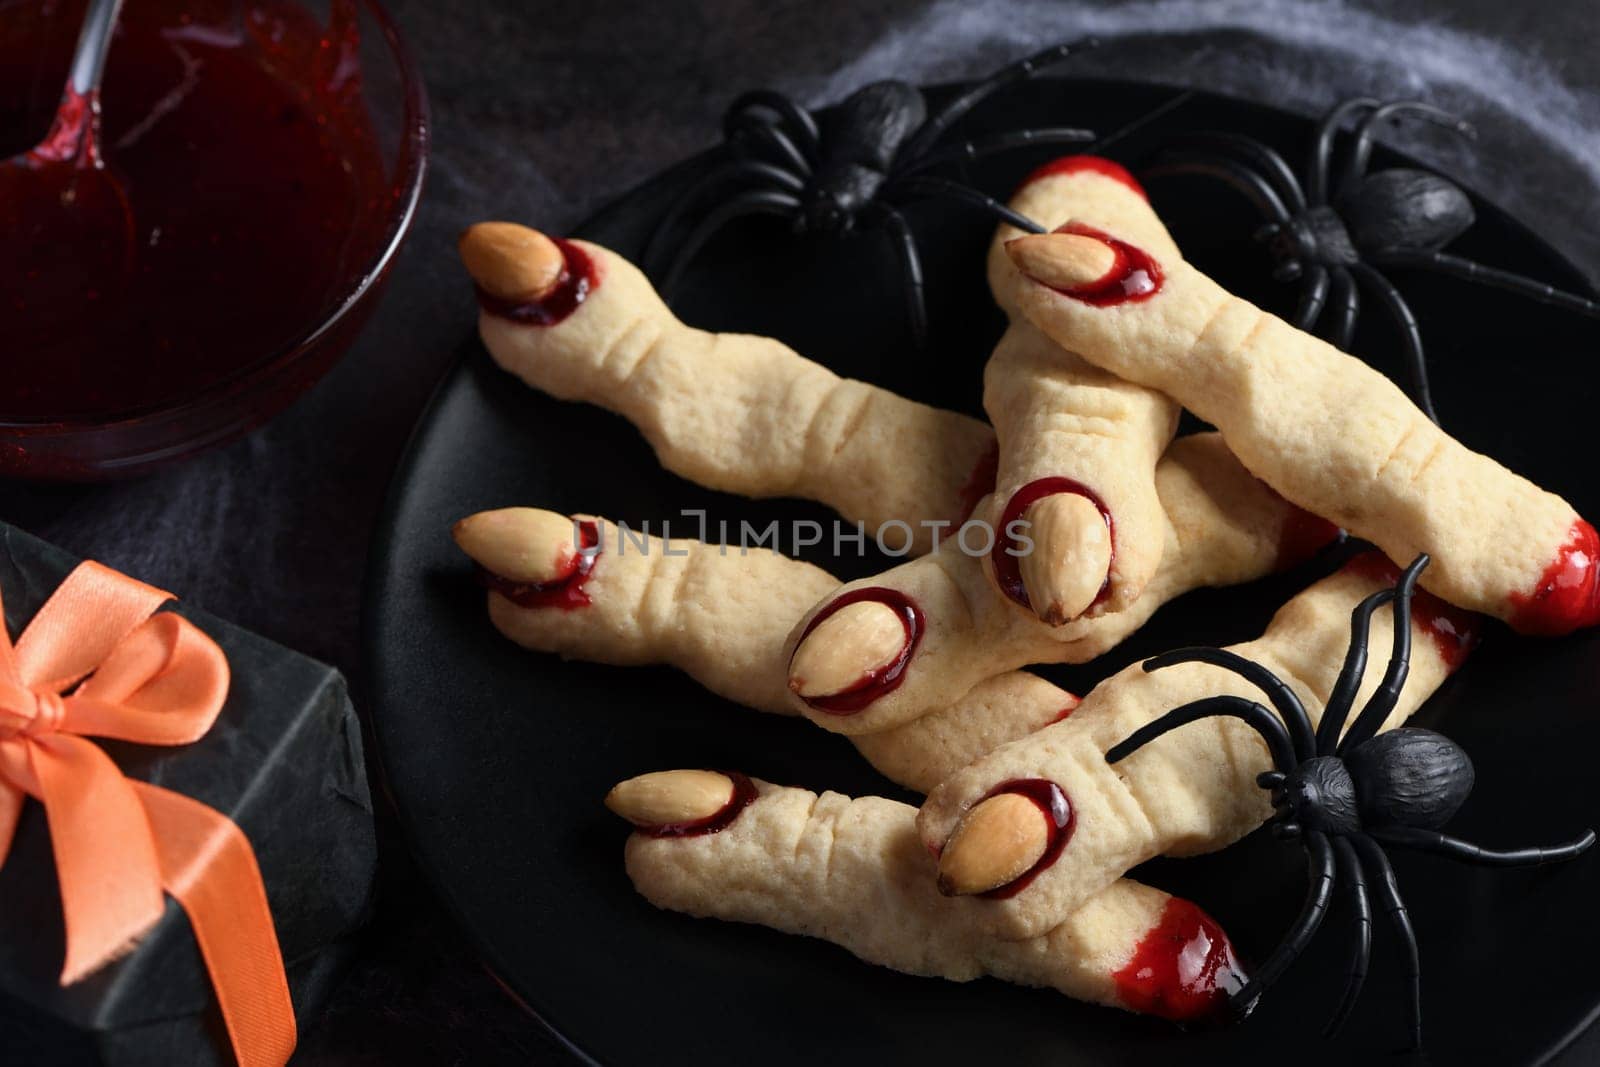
(1455, 632)
(1183, 970)
(579, 278)
(1066, 711)
(744, 794)
(1567, 597)
(881, 680)
(1004, 557)
(1052, 802)
(567, 591)
(1086, 164)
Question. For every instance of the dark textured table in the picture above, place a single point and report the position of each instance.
(543, 112)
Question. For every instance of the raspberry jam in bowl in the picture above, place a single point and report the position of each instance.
(272, 154)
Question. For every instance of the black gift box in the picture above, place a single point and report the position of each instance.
(284, 762)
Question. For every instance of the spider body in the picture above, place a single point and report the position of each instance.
(1402, 210)
(1389, 212)
(1347, 793)
(833, 172)
(1333, 232)
(1319, 794)
(856, 152)
(1410, 777)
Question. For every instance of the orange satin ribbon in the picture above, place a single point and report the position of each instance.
(153, 679)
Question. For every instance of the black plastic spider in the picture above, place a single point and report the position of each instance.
(1333, 235)
(826, 173)
(1347, 798)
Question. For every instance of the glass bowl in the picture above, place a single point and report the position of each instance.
(124, 442)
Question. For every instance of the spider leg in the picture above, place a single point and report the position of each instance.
(758, 132)
(1256, 188)
(1268, 725)
(1313, 297)
(1343, 694)
(1346, 306)
(1389, 894)
(728, 173)
(1349, 867)
(1020, 71)
(1320, 875)
(1355, 164)
(801, 125)
(1495, 278)
(1394, 679)
(927, 185)
(979, 148)
(1321, 162)
(906, 245)
(1467, 852)
(757, 202)
(1263, 160)
(1128, 129)
(1400, 312)
(1283, 698)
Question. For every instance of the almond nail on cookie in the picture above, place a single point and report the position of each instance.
(1221, 527)
(734, 412)
(671, 798)
(511, 263)
(853, 872)
(1078, 446)
(523, 546)
(1193, 790)
(1328, 432)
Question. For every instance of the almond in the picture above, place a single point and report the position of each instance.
(845, 648)
(1070, 559)
(520, 544)
(664, 798)
(512, 262)
(1063, 260)
(997, 842)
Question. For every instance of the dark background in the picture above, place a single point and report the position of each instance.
(542, 112)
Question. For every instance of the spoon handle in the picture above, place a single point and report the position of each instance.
(94, 41)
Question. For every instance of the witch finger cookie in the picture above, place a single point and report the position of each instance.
(735, 412)
(721, 845)
(1321, 427)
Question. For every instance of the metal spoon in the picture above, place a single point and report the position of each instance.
(68, 214)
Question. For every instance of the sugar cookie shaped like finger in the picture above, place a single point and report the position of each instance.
(1078, 446)
(589, 589)
(853, 872)
(1078, 451)
(880, 652)
(1331, 434)
(734, 412)
(1193, 789)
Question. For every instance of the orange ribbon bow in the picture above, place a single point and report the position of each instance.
(154, 679)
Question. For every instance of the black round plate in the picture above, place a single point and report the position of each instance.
(497, 758)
